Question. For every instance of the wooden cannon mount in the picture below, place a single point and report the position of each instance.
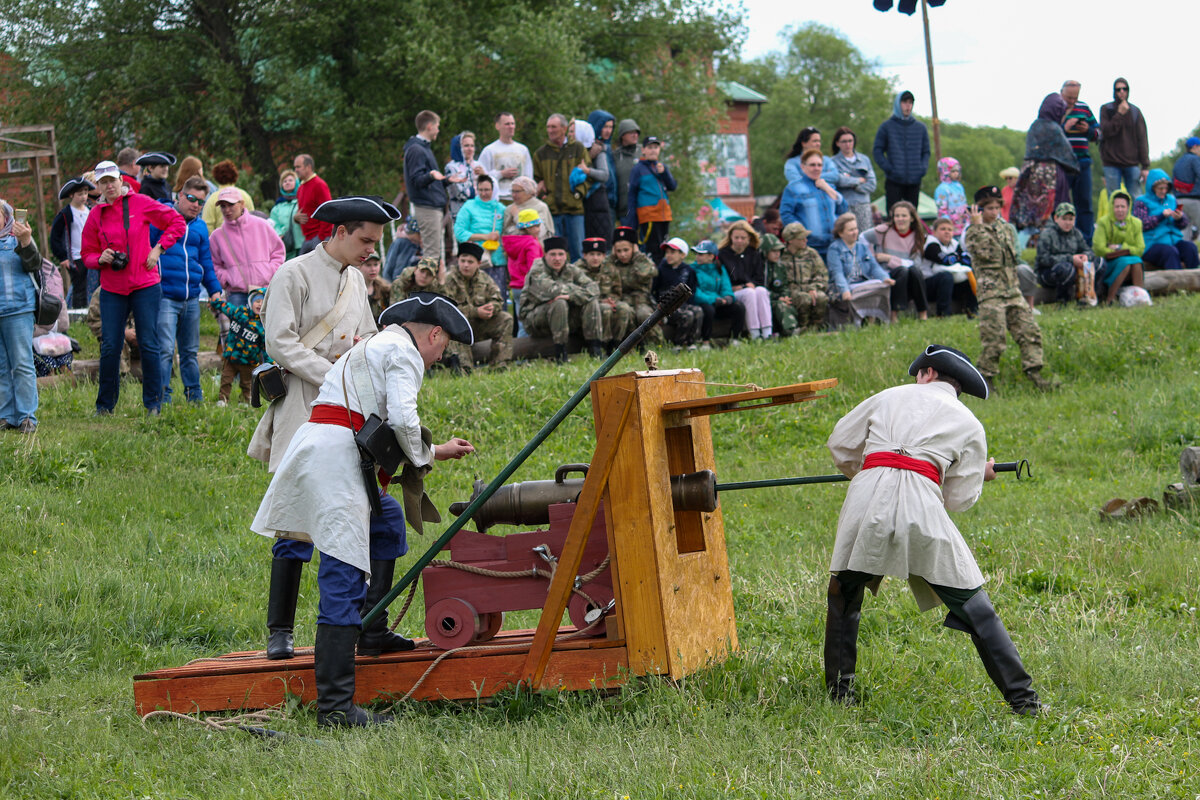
(644, 578)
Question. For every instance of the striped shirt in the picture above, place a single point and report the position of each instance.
(1079, 141)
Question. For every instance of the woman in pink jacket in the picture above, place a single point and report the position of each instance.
(246, 250)
(116, 241)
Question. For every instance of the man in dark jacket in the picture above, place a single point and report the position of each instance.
(1124, 148)
(627, 152)
(552, 166)
(426, 186)
(902, 152)
(185, 267)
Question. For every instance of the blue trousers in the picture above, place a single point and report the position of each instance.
(571, 226)
(114, 310)
(179, 324)
(18, 380)
(1172, 256)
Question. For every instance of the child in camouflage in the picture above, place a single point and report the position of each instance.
(244, 346)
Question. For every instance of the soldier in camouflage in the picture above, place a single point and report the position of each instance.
(427, 275)
(637, 273)
(807, 278)
(479, 298)
(560, 298)
(616, 316)
(783, 316)
(992, 243)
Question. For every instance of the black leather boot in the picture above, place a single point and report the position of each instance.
(376, 638)
(281, 606)
(841, 641)
(595, 348)
(998, 653)
(333, 663)
(560, 353)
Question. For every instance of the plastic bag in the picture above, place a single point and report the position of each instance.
(52, 344)
(1130, 296)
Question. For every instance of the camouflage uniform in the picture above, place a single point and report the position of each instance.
(616, 319)
(471, 293)
(782, 314)
(994, 257)
(636, 279)
(806, 272)
(380, 292)
(406, 285)
(542, 315)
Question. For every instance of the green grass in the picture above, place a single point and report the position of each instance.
(125, 547)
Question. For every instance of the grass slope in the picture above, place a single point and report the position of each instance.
(125, 548)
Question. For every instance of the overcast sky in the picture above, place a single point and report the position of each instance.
(986, 75)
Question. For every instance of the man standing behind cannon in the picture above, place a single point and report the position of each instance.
(321, 491)
(913, 453)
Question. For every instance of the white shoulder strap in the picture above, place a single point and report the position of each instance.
(364, 386)
(330, 321)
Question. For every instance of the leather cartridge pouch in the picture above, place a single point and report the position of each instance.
(266, 381)
(378, 442)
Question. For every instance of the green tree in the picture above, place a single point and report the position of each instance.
(981, 151)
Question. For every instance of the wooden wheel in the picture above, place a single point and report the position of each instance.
(490, 624)
(451, 623)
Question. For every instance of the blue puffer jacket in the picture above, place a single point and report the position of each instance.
(16, 289)
(712, 281)
(419, 161)
(902, 147)
(187, 264)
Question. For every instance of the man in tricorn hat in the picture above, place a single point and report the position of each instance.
(319, 487)
(913, 453)
(314, 311)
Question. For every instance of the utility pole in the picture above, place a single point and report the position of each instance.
(937, 136)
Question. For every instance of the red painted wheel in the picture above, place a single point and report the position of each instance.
(578, 607)
(490, 624)
(451, 623)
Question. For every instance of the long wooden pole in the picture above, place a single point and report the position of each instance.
(937, 134)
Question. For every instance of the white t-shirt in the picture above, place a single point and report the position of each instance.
(80, 217)
(497, 156)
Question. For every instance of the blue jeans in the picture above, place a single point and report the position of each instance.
(179, 324)
(18, 381)
(1114, 175)
(515, 294)
(571, 226)
(93, 283)
(114, 310)
(1081, 196)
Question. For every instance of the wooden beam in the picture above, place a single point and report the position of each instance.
(616, 414)
(758, 398)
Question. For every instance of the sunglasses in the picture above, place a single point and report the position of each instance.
(191, 198)
(1121, 89)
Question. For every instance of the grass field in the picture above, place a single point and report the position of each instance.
(125, 547)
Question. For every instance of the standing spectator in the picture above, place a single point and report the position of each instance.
(404, 251)
(188, 168)
(462, 164)
(597, 216)
(66, 237)
(246, 251)
(185, 267)
(851, 265)
(808, 139)
(616, 316)
(426, 185)
(479, 222)
(807, 278)
(626, 155)
(1081, 128)
(714, 295)
(552, 166)
(672, 271)
(524, 196)
(1186, 178)
(1124, 148)
(560, 299)
(116, 241)
(379, 291)
(244, 347)
(812, 202)
(605, 124)
(1010, 176)
(902, 152)
(226, 176)
(900, 247)
(1062, 254)
(637, 273)
(312, 193)
(478, 298)
(19, 259)
(950, 197)
(283, 214)
(127, 164)
(1118, 240)
(738, 253)
(1162, 226)
(157, 168)
(1049, 159)
(855, 178)
(506, 158)
(649, 208)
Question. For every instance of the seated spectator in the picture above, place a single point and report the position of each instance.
(1185, 176)
(713, 295)
(1118, 240)
(283, 215)
(783, 316)
(560, 299)
(66, 236)
(944, 253)
(1009, 175)
(616, 316)
(637, 273)
(245, 347)
(812, 202)
(769, 222)
(404, 252)
(522, 250)
(524, 196)
(807, 278)
(379, 291)
(900, 248)
(226, 175)
(686, 320)
(427, 276)
(852, 268)
(480, 221)
(855, 177)
(739, 254)
(478, 297)
(1163, 224)
(1062, 254)
(19, 258)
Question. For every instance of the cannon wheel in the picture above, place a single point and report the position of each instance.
(451, 623)
(578, 608)
(490, 624)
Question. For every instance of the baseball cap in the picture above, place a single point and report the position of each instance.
(706, 246)
(106, 169)
(675, 244)
(230, 195)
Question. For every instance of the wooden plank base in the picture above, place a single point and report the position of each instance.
(247, 681)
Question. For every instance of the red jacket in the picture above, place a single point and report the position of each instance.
(311, 194)
(105, 228)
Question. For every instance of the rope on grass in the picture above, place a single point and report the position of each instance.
(254, 718)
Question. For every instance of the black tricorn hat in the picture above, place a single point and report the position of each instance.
(74, 185)
(470, 249)
(356, 208)
(156, 159)
(432, 309)
(953, 364)
(624, 234)
(986, 194)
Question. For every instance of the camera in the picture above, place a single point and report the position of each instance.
(119, 261)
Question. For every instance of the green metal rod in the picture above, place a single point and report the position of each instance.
(767, 484)
(672, 301)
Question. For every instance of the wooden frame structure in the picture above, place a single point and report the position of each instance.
(673, 609)
(33, 152)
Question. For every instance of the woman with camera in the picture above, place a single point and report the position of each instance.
(19, 258)
(116, 241)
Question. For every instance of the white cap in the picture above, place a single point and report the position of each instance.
(106, 169)
(676, 243)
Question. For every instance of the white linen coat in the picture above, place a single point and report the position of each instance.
(301, 293)
(317, 492)
(894, 521)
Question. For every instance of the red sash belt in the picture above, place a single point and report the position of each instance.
(884, 458)
(336, 415)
